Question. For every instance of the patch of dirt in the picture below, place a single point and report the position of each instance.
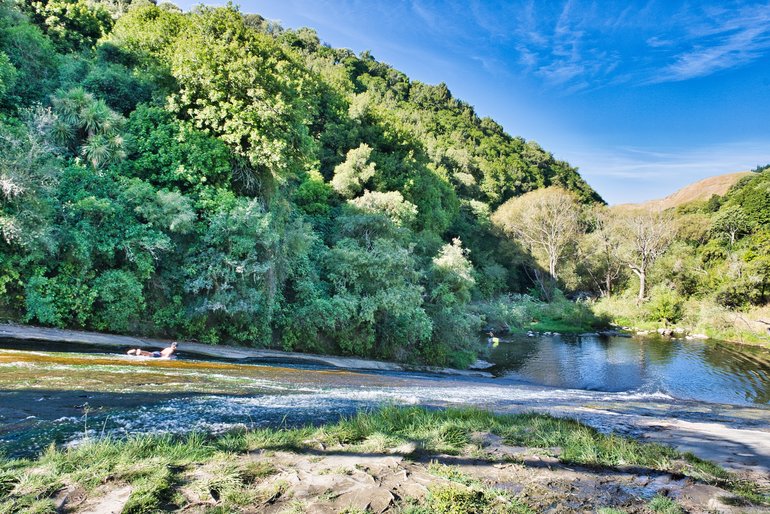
(106, 501)
(69, 498)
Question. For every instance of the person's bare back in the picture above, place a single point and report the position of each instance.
(165, 353)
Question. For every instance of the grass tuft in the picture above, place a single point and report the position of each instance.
(454, 498)
(664, 505)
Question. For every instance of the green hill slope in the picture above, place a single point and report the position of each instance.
(208, 175)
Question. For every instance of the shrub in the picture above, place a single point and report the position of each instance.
(665, 305)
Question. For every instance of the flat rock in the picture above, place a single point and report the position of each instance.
(373, 498)
(481, 364)
(714, 499)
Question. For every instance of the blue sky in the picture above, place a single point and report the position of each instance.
(643, 96)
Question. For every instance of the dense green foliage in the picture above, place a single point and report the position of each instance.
(211, 176)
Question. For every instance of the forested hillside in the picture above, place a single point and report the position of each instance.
(212, 176)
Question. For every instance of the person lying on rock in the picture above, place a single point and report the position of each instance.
(165, 353)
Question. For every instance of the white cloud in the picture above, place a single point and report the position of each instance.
(561, 49)
(729, 41)
(568, 48)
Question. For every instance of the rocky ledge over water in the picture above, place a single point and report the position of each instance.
(121, 343)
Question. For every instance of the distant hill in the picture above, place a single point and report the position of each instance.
(701, 190)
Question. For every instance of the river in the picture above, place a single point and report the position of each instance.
(708, 371)
(706, 397)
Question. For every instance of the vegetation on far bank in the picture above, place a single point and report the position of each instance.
(521, 313)
(703, 317)
(154, 466)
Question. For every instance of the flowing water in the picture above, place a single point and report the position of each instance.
(65, 393)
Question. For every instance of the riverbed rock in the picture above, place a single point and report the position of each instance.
(614, 333)
(481, 364)
(713, 498)
(366, 499)
(69, 498)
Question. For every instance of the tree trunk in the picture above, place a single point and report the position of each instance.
(608, 285)
(552, 267)
(642, 285)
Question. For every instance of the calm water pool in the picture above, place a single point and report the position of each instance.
(693, 370)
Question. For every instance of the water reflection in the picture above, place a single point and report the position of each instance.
(712, 371)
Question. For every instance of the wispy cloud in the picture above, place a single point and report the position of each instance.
(584, 45)
(564, 53)
(727, 40)
(659, 42)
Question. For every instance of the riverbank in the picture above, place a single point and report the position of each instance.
(393, 460)
(698, 319)
(623, 315)
(122, 343)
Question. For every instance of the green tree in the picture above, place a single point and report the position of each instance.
(231, 273)
(72, 25)
(32, 55)
(28, 174)
(351, 176)
(377, 298)
(120, 88)
(8, 75)
(546, 221)
(390, 204)
(731, 222)
(173, 155)
(240, 85)
(454, 339)
(118, 301)
(313, 196)
(86, 126)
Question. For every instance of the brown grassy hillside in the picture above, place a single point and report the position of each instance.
(701, 190)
